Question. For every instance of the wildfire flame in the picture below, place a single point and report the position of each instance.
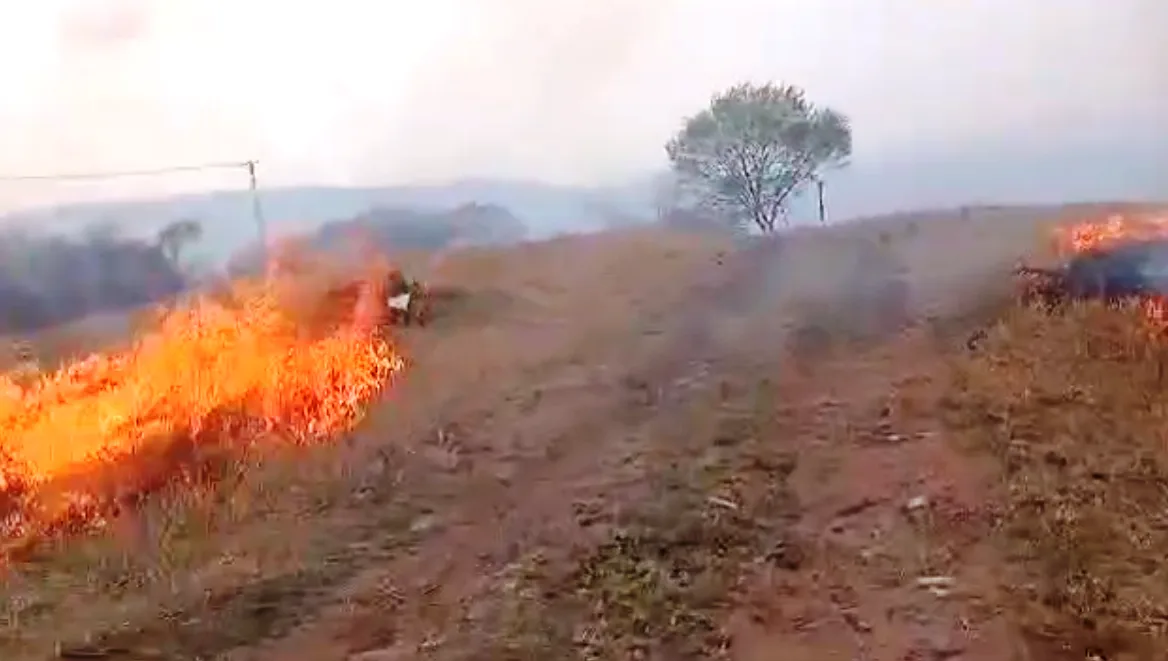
(1114, 230)
(219, 371)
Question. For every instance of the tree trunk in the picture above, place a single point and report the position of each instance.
(767, 225)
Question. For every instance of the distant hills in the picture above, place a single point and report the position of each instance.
(1133, 168)
(1001, 172)
(544, 209)
(390, 228)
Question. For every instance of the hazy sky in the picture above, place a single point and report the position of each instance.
(379, 91)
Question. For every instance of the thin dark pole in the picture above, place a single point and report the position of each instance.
(822, 209)
(257, 213)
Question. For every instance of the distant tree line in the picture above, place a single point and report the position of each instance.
(47, 280)
(389, 229)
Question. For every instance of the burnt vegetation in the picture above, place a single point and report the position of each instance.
(1113, 274)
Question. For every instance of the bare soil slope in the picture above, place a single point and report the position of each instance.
(641, 445)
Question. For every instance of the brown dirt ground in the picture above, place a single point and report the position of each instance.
(661, 446)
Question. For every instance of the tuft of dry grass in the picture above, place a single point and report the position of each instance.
(1073, 403)
(190, 574)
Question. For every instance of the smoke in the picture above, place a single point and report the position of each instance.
(49, 280)
(859, 282)
(96, 27)
(359, 92)
(518, 76)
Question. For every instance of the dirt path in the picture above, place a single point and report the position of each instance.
(895, 520)
(889, 519)
(532, 478)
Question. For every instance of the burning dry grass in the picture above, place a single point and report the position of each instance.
(248, 559)
(1073, 403)
(1116, 228)
(95, 436)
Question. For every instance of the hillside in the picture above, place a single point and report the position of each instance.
(631, 443)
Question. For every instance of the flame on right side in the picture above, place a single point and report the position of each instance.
(1147, 234)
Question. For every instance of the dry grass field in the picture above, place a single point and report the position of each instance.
(1073, 408)
(666, 446)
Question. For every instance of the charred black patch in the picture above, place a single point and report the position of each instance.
(1114, 274)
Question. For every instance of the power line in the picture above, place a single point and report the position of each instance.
(117, 174)
(249, 166)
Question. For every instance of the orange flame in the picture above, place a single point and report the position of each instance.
(1114, 230)
(1093, 235)
(213, 372)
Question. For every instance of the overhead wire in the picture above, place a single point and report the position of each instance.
(115, 174)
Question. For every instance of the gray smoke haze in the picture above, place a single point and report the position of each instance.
(93, 29)
(488, 100)
(358, 92)
(48, 280)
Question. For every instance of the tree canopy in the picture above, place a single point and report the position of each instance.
(755, 148)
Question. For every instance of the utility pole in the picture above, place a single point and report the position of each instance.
(822, 209)
(257, 213)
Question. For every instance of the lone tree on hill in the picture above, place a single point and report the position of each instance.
(755, 148)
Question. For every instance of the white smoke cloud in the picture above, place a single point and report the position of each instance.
(347, 91)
